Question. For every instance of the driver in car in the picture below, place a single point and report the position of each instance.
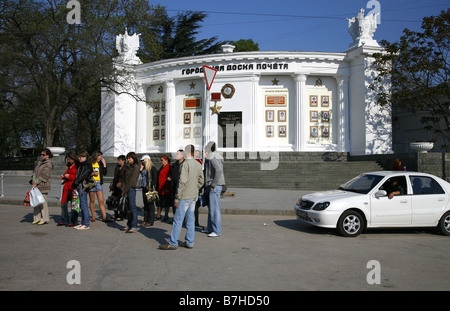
(393, 188)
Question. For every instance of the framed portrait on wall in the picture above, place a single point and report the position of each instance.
(270, 115)
(325, 101)
(163, 119)
(282, 131)
(326, 131)
(314, 131)
(155, 134)
(155, 107)
(313, 116)
(187, 118)
(313, 100)
(281, 115)
(163, 106)
(155, 120)
(325, 116)
(187, 133)
(163, 134)
(197, 117)
(270, 131)
(197, 132)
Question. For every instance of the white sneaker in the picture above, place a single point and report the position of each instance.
(213, 235)
(82, 227)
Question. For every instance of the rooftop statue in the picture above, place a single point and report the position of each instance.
(362, 29)
(127, 47)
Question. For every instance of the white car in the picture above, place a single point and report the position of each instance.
(380, 199)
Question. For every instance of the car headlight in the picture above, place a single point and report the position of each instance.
(321, 206)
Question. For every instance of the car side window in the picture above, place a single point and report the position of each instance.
(425, 185)
(395, 184)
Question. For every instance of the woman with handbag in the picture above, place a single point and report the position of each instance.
(129, 190)
(84, 174)
(149, 178)
(67, 180)
(41, 180)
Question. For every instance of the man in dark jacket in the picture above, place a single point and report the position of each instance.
(84, 173)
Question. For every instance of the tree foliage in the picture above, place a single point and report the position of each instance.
(52, 72)
(418, 68)
(244, 45)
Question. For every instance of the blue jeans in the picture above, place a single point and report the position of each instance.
(185, 208)
(98, 187)
(214, 217)
(84, 206)
(132, 221)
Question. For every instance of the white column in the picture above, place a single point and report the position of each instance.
(300, 115)
(343, 128)
(206, 114)
(141, 124)
(171, 126)
(255, 129)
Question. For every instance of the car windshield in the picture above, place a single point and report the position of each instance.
(361, 184)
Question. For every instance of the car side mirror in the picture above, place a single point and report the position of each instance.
(380, 193)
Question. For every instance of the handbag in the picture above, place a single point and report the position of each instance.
(112, 202)
(26, 202)
(152, 196)
(75, 201)
(203, 199)
(123, 204)
(88, 184)
(36, 197)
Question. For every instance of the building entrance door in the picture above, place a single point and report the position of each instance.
(230, 129)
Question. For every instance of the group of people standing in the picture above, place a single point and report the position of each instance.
(178, 184)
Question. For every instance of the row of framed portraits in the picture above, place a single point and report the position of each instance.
(315, 131)
(280, 114)
(188, 132)
(159, 120)
(314, 101)
(282, 131)
(196, 132)
(159, 106)
(194, 117)
(319, 131)
(316, 116)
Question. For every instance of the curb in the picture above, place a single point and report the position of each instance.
(204, 210)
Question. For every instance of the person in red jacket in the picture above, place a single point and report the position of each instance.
(164, 188)
(67, 180)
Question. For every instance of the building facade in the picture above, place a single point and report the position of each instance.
(258, 101)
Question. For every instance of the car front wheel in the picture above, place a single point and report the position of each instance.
(350, 224)
(444, 224)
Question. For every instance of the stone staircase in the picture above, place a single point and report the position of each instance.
(307, 171)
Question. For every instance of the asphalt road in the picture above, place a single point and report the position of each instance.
(255, 253)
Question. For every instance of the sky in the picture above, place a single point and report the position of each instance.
(298, 25)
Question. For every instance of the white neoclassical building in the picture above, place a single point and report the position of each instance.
(258, 101)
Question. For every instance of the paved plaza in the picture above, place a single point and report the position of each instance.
(266, 251)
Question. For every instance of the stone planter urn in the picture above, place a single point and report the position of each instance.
(57, 151)
(421, 146)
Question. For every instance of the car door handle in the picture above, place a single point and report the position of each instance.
(441, 199)
(404, 201)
